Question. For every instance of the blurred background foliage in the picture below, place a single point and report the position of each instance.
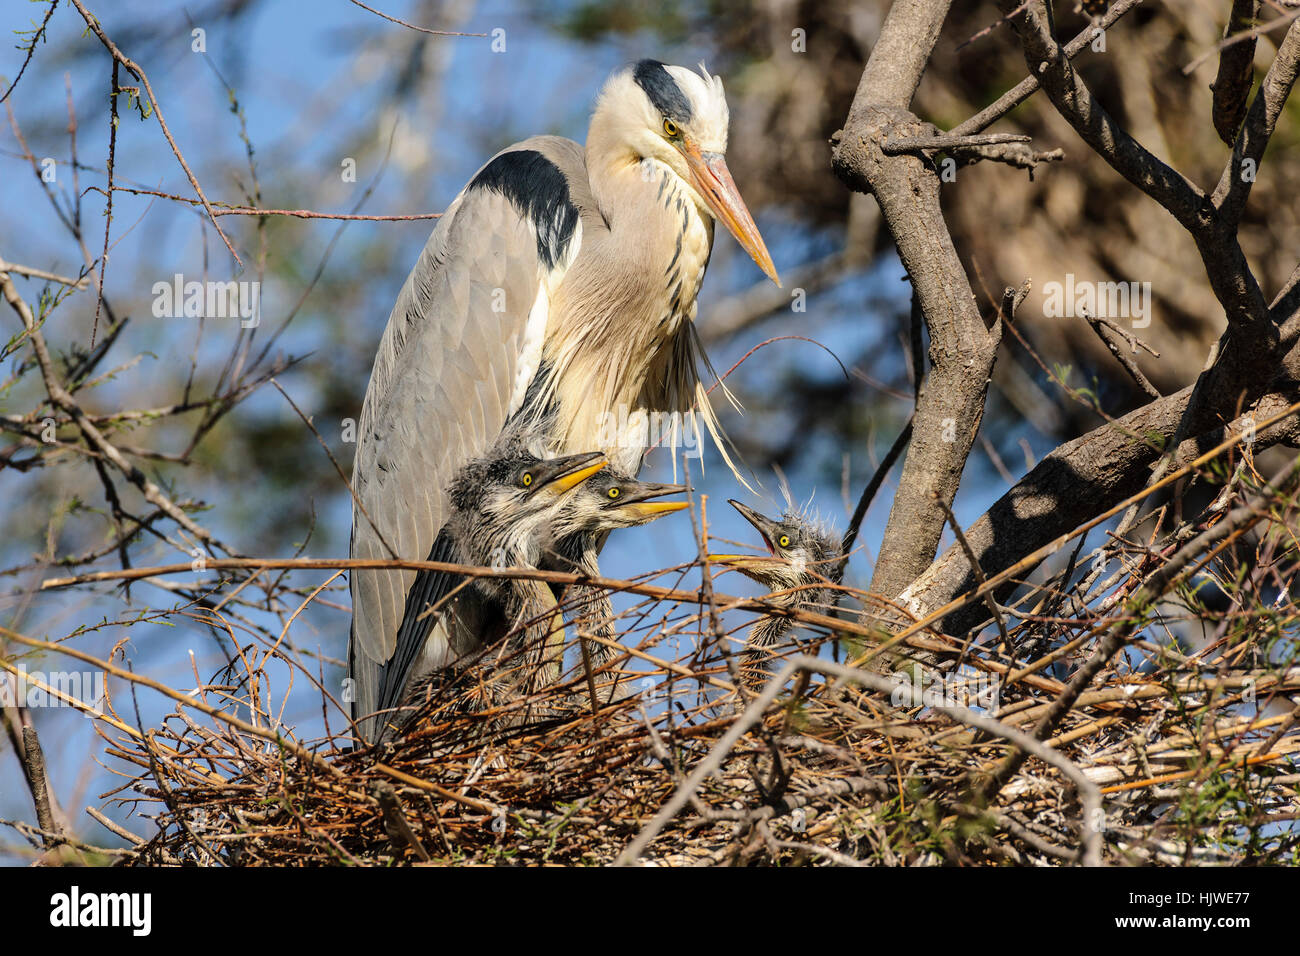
(285, 93)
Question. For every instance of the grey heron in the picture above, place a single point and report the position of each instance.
(801, 568)
(557, 293)
(605, 502)
(502, 508)
(498, 513)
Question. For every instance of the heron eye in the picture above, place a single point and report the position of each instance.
(527, 479)
(614, 492)
(784, 541)
(671, 128)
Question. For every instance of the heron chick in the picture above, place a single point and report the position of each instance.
(802, 568)
(511, 510)
(503, 513)
(604, 503)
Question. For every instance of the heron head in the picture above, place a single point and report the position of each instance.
(502, 503)
(609, 500)
(798, 552)
(673, 116)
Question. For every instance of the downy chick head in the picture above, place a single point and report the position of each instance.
(801, 554)
(609, 500)
(505, 508)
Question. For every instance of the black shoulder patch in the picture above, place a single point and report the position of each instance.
(663, 90)
(538, 189)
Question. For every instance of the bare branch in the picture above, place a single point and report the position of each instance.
(1236, 72)
(412, 26)
(135, 70)
(33, 759)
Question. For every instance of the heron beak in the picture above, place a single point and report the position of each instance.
(649, 510)
(712, 180)
(561, 474)
(755, 566)
(638, 504)
(751, 565)
(734, 560)
(764, 525)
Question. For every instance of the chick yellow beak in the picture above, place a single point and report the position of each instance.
(566, 478)
(656, 509)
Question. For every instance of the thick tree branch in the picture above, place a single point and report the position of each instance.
(950, 403)
(1248, 150)
(1236, 72)
(1029, 85)
(39, 784)
(1244, 360)
(1074, 101)
(1079, 480)
(899, 57)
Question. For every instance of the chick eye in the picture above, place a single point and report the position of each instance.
(784, 541)
(527, 479)
(671, 128)
(613, 493)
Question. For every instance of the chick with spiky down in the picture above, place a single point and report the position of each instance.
(504, 509)
(605, 502)
(801, 569)
(513, 510)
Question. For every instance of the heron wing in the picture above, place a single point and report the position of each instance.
(462, 344)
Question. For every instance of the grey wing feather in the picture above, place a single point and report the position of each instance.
(439, 394)
(429, 591)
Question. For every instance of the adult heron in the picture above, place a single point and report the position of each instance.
(557, 293)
